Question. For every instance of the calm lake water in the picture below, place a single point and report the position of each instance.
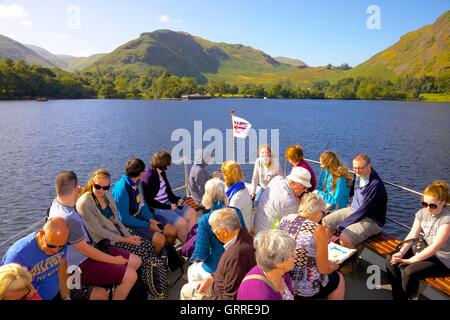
(408, 142)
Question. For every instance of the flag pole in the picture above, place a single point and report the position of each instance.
(232, 134)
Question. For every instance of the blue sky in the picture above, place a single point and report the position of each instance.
(317, 32)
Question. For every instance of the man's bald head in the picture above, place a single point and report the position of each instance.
(55, 232)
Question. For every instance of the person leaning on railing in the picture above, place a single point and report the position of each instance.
(406, 269)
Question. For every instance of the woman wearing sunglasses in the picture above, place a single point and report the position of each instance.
(433, 221)
(97, 208)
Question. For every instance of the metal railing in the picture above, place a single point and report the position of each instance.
(185, 186)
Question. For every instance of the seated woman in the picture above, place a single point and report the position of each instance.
(133, 210)
(16, 283)
(97, 208)
(406, 269)
(266, 167)
(335, 181)
(208, 249)
(314, 277)
(237, 194)
(294, 155)
(158, 194)
(269, 279)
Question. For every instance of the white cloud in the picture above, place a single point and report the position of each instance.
(12, 11)
(60, 36)
(26, 23)
(166, 19)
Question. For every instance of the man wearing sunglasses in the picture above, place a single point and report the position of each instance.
(367, 212)
(44, 255)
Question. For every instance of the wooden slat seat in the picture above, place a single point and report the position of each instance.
(191, 203)
(384, 244)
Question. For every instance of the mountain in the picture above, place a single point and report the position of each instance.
(185, 55)
(16, 51)
(66, 62)
(292, 62)
(425, 51)
(72, 63)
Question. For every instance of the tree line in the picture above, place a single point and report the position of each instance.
(19, 80)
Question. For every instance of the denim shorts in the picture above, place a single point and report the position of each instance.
(169, 216)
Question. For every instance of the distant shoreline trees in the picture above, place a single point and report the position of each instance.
(19, 80)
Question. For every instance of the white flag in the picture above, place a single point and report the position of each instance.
(241, 127)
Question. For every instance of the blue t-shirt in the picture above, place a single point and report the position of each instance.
(43, 268)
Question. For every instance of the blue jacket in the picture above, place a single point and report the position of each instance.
(122, 200)
(339, 198)
(374, 205)
(208, 248)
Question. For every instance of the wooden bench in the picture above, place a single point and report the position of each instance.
(191, 203)
(384, 244)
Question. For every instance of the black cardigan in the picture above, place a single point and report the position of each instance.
(150, 184)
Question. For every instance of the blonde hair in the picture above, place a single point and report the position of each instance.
(14, 277)
(98, 173)
(334, 165)
(267, 147)
(214, 191)
(439, 190)
(311, 203)
(294, 153)
(232, 172)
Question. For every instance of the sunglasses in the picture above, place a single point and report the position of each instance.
(430, 205)
(52, 246)
(98, 187)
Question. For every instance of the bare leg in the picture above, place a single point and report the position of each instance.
(99, 293)
(158, 241)
(339, 293)
(182, 229)
(122, 290)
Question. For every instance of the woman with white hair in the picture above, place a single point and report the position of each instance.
(208, 249)
(16, 283)
(269, 279)
(314, 277)
(199, 174)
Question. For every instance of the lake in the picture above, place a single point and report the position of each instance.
(408, 142)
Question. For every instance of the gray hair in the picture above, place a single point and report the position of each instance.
(214, 191)
(224, 218)
(364, 157)
(311, 203)
(272, 247)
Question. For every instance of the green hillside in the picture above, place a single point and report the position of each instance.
(422, 52)
(292, 62)
(17, 51)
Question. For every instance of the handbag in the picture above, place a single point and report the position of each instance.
(418, 244)
(157, 282)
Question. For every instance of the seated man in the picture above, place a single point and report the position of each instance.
(44, 255)
(367, 212)
(281, 198)
(133, 210)
(235, 262)
(108, 268)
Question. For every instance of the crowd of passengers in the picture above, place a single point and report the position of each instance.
(265, 241)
